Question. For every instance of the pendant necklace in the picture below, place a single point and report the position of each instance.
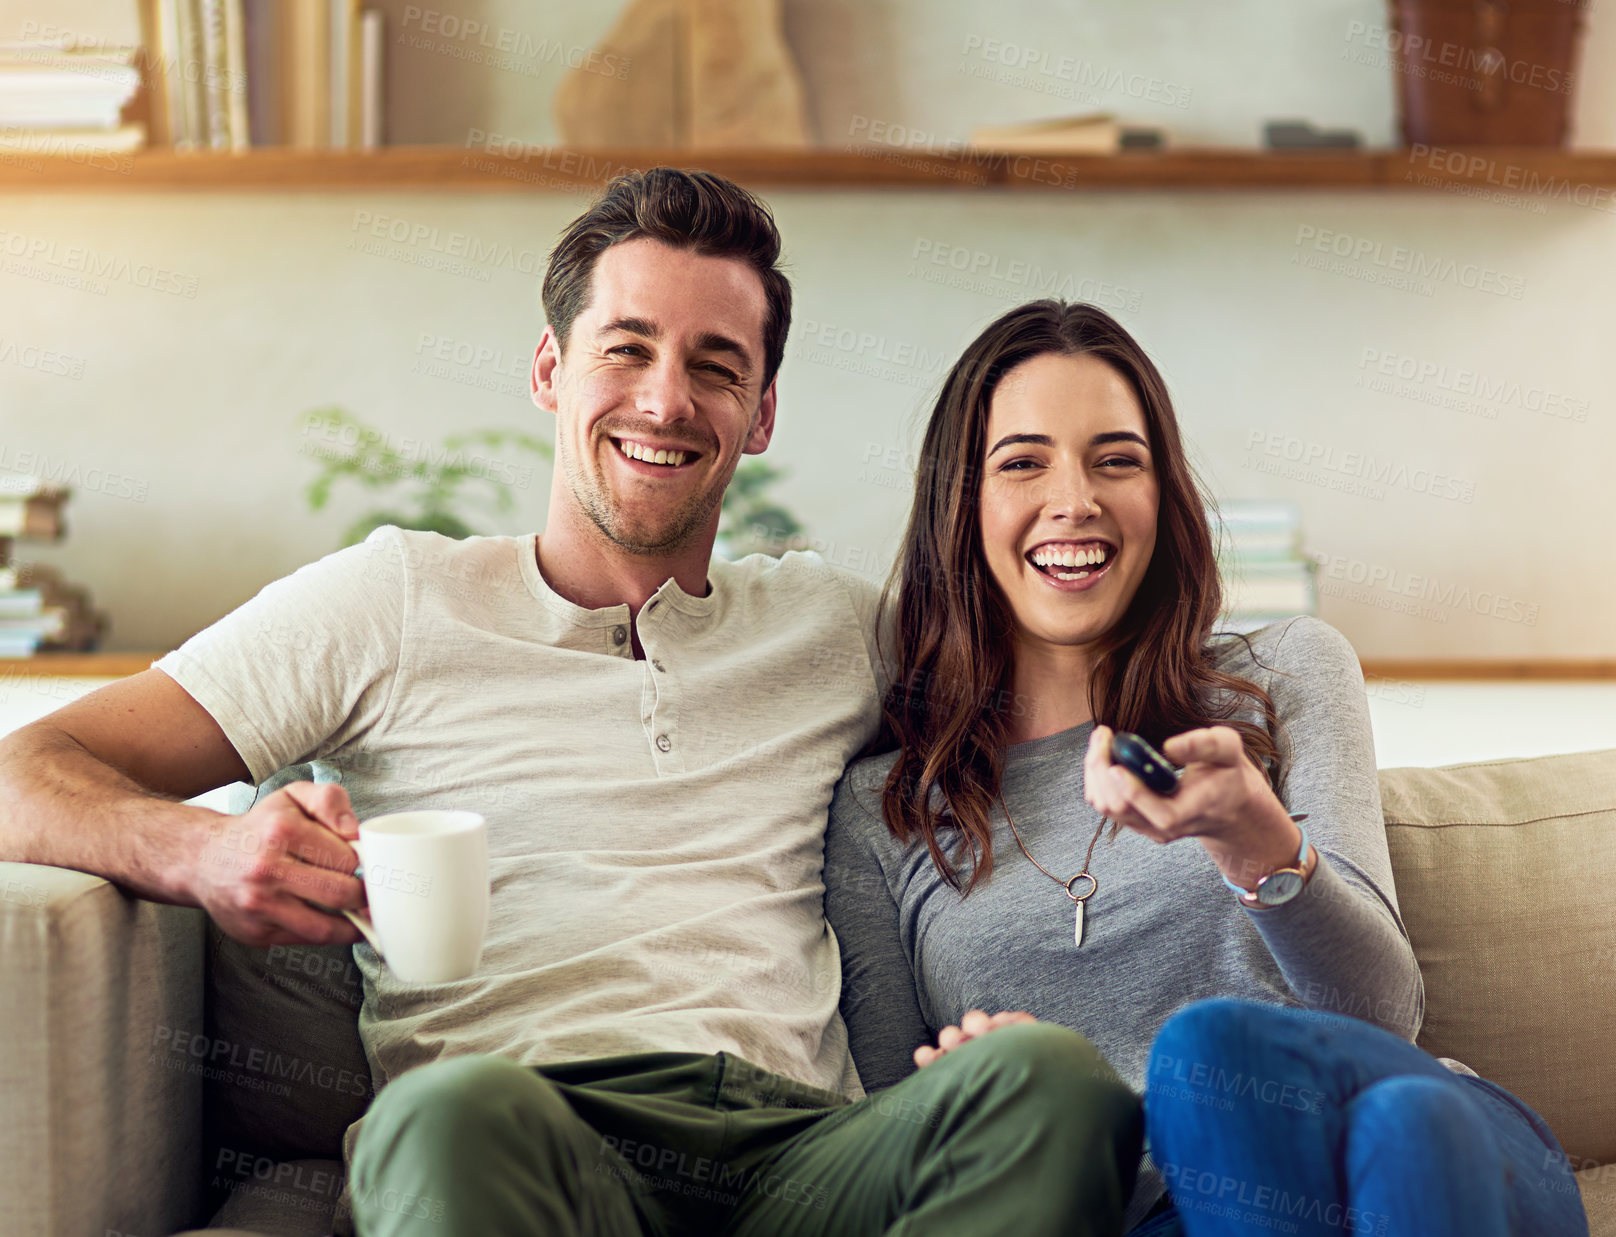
(1079, 899)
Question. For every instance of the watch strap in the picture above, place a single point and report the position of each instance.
(1249, 896)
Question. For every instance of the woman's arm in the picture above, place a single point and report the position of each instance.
(1340, 944)
(879, 1004)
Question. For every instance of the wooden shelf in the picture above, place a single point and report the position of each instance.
(110, 665)
(1491, 671)
(457, 169)
(77, 665)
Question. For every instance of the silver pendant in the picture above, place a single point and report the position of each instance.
(1080, 900)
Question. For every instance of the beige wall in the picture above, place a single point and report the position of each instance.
(193, 400)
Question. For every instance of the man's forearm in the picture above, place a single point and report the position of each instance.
(60, 805)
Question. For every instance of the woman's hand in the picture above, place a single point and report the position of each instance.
(974, 1025)
(1223, 800)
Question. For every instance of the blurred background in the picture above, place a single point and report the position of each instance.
(1377, 299)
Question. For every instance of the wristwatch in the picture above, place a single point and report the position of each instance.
(1278, 888)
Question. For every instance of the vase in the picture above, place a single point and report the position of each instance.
(1485, 72)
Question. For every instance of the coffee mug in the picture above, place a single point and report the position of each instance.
(426, 878)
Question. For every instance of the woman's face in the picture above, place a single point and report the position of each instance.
(1069, 497)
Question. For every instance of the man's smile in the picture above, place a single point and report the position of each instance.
(660, 456)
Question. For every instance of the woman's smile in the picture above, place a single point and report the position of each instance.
(1072, 566)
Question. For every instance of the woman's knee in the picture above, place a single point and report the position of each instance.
(1432, 1113)
(1219, 1034)
(1223, 1023)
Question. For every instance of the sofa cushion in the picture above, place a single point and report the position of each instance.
(295, 1198)
(1506, 877)
(1598, 1187)
(288, 1071)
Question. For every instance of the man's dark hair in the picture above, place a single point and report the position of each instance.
(697, 211)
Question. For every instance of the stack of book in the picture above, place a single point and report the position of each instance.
(38, 609)
(58, 98)
(229, 74)
(1264, 573)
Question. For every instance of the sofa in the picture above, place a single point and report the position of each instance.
(160, 1076)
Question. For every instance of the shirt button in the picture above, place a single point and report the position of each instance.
(664, 744)
(619, 634)
(657, 664)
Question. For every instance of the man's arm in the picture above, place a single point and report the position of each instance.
(96, 786)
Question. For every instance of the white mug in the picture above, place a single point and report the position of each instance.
(426, 878)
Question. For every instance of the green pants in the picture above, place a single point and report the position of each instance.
(1026, 1131)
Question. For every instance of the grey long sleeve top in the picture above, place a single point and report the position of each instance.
(1162, 928)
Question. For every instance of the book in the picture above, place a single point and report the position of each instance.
(73, 141)
(237, 121)
(341, 44)
(1256, 528)
(191, 70)
(373, 44)
(1098, 134)
(215, 85)
(306, 74)
(18, 602)
(165, 78)
(214, 74)
(48, 624)
(264, 31)
(44, 86)
(1258, 513)
(1253, 595)
(86, 23)
(1264, 574)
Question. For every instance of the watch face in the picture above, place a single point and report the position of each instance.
(1280, 887)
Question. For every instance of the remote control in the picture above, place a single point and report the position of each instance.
(1144, 762)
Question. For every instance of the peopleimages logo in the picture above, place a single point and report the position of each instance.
(962, 266)
(1085, 75)
(1490, 170)
(1421, 56)
(1351, 578)
(1361, 465)
(1462, 384)
(1414, 263)
(502, 47)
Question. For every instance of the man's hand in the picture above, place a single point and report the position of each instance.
(258, 873)
(974, 1025)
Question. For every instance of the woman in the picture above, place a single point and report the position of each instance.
(1058, 583)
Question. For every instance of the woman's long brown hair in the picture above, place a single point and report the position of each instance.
(945, 712)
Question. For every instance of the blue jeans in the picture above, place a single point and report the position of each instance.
(1266, 1119)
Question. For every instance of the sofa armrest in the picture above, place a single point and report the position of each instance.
(103, 1116)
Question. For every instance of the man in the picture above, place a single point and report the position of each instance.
(652, 1040)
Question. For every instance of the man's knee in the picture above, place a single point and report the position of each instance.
(463, 1098)
(1056, 1065)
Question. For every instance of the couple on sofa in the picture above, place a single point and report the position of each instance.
(664, 1035)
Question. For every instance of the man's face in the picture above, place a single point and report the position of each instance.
(664, 364)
